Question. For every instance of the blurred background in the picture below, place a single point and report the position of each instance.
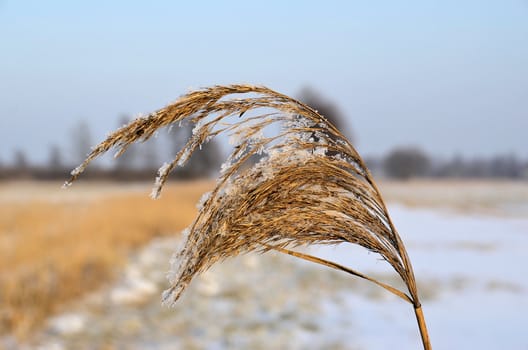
(432, 94)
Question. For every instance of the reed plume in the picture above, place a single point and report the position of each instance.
(309, 185)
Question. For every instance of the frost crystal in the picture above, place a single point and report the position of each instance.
(175, 260)
(184, 156)
(320, 151)
(226, 166)
(235, 139)
(77, 170)
(197, 127)
(162, 174)
(205, 197)
(66, 184)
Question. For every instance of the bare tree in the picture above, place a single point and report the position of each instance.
(149, 156)
(507, 166)
(499, 166)
(126, 161)
(206, 160)
(81, 140)
(3, 172)
(55, 161)
(404, 163)
(20, 162)
(21, 167)
(324, 107)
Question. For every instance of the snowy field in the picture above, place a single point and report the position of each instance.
(471, 270)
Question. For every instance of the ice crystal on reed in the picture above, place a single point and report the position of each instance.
(162, 173)
(78, 170)
(205, 197)
(184, 156)
(198, 127)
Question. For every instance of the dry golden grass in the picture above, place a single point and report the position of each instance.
(57, 245)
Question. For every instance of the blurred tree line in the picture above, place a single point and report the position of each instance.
(404, 163)
(141, 161)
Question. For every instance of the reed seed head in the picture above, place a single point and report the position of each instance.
(309, 185)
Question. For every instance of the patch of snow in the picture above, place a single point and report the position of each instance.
(51, 346)
(135, 288)
(67, 324)
(480, 295)
(207, 284)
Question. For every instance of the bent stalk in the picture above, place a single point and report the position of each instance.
(309, 185)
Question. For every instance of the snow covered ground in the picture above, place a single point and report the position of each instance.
(471, 270)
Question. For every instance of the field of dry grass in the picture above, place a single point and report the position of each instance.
(57, 244)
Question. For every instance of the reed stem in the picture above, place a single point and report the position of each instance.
(423, 327)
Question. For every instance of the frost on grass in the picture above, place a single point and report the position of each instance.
(203, 200)
(302, 184)
(163, 172)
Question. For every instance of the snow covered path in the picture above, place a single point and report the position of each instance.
(471, 270)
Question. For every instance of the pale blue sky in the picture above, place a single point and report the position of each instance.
(448, 76)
